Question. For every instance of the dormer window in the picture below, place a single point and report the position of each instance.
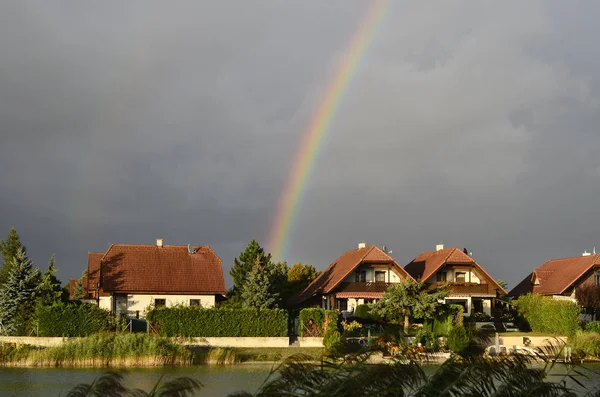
(460, 277)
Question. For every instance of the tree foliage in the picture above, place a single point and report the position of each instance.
(9, 248)
(73, 319)
(50, 289)
(588, 296)
(299, 277)
(243, 265)
(258, 290)
(17, 295)
(409, 298)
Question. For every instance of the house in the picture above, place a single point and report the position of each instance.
(559, 278)
(470, 285)
(359, 276)
(128, 279)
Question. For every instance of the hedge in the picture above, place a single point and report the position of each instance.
(73, 319)
(197, 321)
(544, 314)
(449, 317)
(323, 320)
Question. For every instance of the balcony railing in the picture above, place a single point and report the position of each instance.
(469, 288)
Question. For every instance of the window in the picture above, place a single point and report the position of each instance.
(367, 301)
(441, 277)
(194, 302)
(460, 277)
(363, 276)
(357, 276)
(342, 304)
(380, 277)
(597, 278)
(159, 302)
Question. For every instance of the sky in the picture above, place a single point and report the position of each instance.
(472, 123)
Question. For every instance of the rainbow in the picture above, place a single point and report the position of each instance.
(289, 200)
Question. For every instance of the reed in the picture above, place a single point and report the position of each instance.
(101, 350)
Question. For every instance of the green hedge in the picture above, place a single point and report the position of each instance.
(544, 314)
(449, 316)
(73, 319)
(320, 317)
(197, 321)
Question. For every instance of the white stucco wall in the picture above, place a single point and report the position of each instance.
(105, 303)
(141, 303)
(390, 274)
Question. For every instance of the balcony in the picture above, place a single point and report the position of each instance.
(469, 289)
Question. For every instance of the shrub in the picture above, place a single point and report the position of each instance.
(544, 314)
(364, 314)
(480, 317)
(427, 339)
(585, 344)
(322, 320)
(448, 317)
(458, 340)
(73, 319)
(197, 321)
(334, 345)
(593, 326)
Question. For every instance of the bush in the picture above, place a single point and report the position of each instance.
(480, 317)
(448, 317)
(322, 320)
(364, 315)
(593, 326)
(585, 344)
(73, 319)
(427, 339)
(544, 314)
(334, 346)
(458, 340)
(197, 321)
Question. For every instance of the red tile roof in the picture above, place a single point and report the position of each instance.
(558, 275)
(342, 267)
(168, 269)
(428, 263)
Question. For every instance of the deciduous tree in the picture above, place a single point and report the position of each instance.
(409, 298)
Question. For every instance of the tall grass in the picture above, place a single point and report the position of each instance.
(585, 344)
(101, 350)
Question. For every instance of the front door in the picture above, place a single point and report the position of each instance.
(121, 305)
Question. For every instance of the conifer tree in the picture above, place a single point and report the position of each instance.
(243, 266)
(257, 290)
(50, 289)
(17, 295)
(9, 248)
(78, 290)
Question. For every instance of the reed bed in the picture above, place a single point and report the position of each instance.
(100, 350)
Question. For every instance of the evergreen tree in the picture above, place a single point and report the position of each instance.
(17, 295)
(9, 248)
(50, 289)
(78, 290)
(257, 290)
(243, 266)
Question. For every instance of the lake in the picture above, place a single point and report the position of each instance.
(218, 380)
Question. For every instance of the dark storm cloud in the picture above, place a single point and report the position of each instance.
(470, 123)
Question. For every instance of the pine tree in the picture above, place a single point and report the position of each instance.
(17, 295)
(78, 290)
(9, 249)
(50, 289)
(243, 266)
(257, 290)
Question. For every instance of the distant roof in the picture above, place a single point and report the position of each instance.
(343, 266)
(558, 275)
(428, 263)
(94, 269)
(167, 269)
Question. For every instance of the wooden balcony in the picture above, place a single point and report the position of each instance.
(469, 289)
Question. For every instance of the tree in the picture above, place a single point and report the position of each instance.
(9, 248)
(50, 289)
(407, 298)
(298, 278)
(588, 296)
(17, 295)
(78, 289)
(244, 264)
(264, 286)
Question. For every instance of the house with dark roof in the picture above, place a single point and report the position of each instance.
(470, 285)
(128, 279)
(359, 276)
(559, 278)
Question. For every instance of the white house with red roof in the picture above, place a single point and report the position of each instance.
(559, 278)
(359, 276)
(129, 279)
(470, 285)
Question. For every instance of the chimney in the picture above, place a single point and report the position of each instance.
(362, 245)
(439, 247)
(585, 253)
(159, 242)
